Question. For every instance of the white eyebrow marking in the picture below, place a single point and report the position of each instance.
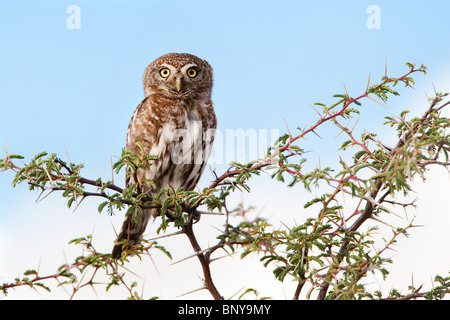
(188, 66)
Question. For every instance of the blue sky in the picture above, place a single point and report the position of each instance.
(76, 89)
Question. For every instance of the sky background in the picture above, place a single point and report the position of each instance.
(76, 89)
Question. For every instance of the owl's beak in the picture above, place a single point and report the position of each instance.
(178, 83)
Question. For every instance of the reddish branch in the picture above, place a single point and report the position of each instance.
(204, 257)
(370, 206)
(204, 260)
(329, 116)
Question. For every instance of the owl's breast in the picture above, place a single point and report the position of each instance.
(176, 135)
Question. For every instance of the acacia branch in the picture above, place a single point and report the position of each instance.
(370, 205)
(204, 259)
(335, 244)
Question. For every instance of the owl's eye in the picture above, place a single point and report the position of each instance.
(164, 72)
(192, 72)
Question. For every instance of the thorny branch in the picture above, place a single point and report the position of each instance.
(327, 251)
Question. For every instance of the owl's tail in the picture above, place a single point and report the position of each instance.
(132, 231)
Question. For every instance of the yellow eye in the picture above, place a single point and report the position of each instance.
(192, 72)
(164, 72)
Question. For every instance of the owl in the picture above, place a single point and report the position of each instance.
(176, 122)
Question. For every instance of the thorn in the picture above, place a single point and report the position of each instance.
(48, 175)
(45, 195)
(287, 128)
(377, 101)
(343, 128)
(225, 256)
(213, 172)
(346, 93)
(130, 271)
(78, 203)
(368, 83)
(189, 257)
(209, 213)
(316, 111)
(40, 194)
(193, 255)
(231, 297)
(114, 229)
(112, 171)
(385, 68)
(214, 227)
(285, 225)
(316, 133)
(167, 235)
(195, 290)
(154, 265)
(93, 289)
(355, 124)
(381, 221)
(67, 154)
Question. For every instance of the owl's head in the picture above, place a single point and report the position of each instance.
(179, 75)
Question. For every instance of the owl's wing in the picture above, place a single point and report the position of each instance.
(149, 127)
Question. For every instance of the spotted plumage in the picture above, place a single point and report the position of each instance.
(176, 122)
